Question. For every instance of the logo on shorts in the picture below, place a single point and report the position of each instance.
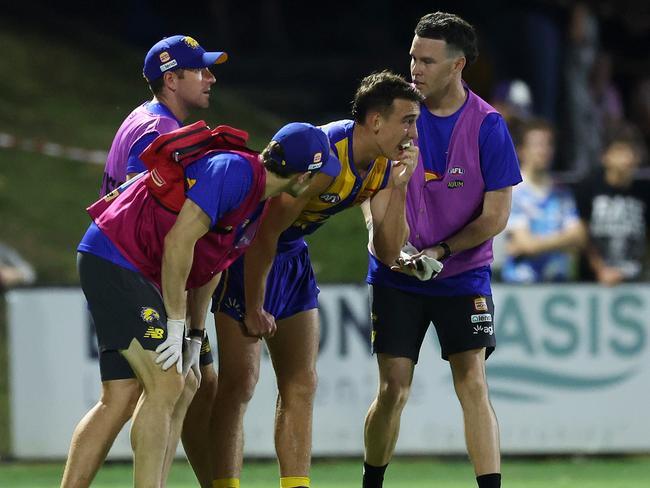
(205, 347)
(480, 304)
(486, 329)
(149, 315)
(232, 304)
(456, 171)
(481, 317)
(455, 184)
(154, 333)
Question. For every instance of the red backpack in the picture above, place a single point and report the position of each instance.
(169, 154)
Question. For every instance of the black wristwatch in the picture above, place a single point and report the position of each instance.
(447, 250)
(200, 333)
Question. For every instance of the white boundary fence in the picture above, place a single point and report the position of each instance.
(570, 374)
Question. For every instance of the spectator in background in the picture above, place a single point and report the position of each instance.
(14, 270)
(544, 224)
(613, 206)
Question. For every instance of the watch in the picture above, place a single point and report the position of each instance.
(447, 250)
(200, 333)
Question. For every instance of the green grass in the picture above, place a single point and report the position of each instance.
(557, 473)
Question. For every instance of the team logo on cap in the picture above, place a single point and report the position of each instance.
(191, 42)
(164, 57)
(318, 162)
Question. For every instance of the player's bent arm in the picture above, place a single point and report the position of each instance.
(491, 221)
(178, 254)
(282, 211)
(198, 301)
(385, 215)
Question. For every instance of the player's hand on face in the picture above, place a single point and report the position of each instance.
(259, 323)
(403, 169)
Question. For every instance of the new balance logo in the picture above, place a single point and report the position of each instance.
(154, 333)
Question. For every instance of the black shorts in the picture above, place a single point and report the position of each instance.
(400, 321)
(124, 305)
(113, 366)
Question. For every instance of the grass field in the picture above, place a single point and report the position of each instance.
(555, 473)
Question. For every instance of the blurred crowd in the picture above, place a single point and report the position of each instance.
(582, 211)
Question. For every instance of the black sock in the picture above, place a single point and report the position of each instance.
(373, 476)
(492, 480)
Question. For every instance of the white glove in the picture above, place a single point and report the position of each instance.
(171, 351)
(422, 267)
(191, 355)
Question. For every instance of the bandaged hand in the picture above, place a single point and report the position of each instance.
(414, 263)
(191, 355)
(171, 351)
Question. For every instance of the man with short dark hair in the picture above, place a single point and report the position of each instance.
(177, 71)
(275, 282)
(458, 199)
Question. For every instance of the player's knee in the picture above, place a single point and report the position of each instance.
(208, 387)
(299, 387)
(237, 388)
(471, 389)
(191, 384)
(394, 392)
(166, 389)
(121, 396)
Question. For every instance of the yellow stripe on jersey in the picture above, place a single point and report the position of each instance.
(346, 190)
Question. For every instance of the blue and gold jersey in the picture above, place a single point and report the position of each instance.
(347, 189)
